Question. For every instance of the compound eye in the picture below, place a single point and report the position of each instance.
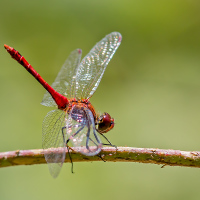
(105, 123)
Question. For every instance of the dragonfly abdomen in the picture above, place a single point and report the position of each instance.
(60, 100)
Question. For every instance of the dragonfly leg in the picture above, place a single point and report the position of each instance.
(74, 134)
(99, 155)
(87, 139)
(93, 141)
(72, 166)
(95, 135)
(110, 144)
(63, 133)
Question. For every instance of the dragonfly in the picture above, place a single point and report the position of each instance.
(75, 119)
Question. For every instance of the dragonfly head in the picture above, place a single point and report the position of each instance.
(105, 123)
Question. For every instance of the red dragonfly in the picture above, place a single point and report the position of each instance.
(75, 120)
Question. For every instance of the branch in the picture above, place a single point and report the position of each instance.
(122, 154)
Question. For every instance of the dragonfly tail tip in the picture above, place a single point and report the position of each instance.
(8, 48)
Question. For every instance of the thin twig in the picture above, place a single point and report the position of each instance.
(111, 154)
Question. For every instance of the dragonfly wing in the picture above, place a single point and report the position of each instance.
(93, 65)
(81, 132)
(52, 137)
(65, 80)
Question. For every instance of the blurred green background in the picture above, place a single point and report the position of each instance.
(151, 87)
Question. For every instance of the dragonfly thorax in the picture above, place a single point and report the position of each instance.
(103, 123)
(81, 104)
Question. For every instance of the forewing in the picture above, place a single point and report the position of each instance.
(65, 80)
(52, 137)
(93, 65)
(80, 129)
